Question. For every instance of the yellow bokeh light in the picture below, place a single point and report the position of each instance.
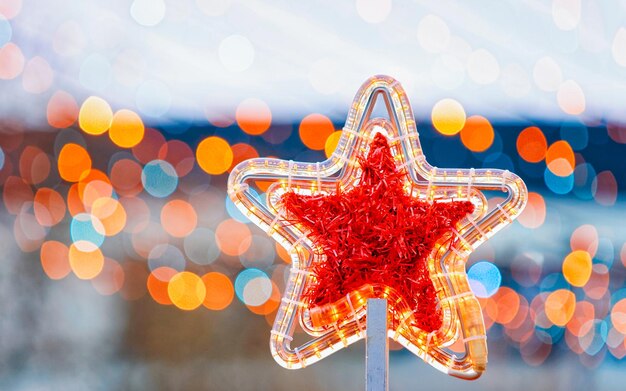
(331, 142)
(448, 117)
(127, 129)
(560, 306)
(85, 264)
(95, 116)
(214, 155)
(577, 267)
(186, 291)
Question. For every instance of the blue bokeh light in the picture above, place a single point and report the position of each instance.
(159, 178)
(86, 230)
(558, 184)
(484, 279)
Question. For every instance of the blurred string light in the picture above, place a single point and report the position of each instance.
(163, 246)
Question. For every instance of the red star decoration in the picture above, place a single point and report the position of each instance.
(377, 234)
(376, 220)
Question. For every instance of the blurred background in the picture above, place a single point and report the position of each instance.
(126, 267)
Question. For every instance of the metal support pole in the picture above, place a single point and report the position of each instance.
(376, 346)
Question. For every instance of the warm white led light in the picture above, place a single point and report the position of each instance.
(342, 323)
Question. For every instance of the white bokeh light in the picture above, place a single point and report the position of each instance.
(213, 7)
(236, 53)
(148, 12)
(325, 76)
(483, 67)
(571, 98)
(618, 47)
(515, 81)
(153, 98)
(433, 34)
(257, 291)
(373, 11)
(547, 74)
(566, 14)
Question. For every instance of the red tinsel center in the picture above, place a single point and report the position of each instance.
(375, 233)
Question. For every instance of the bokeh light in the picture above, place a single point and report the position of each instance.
(86, 264)
(577, 267)
(74, 162)
(178, 218)
(448, 117)
(477, 134)
(314, 131)
(95, 116)
(159, 178)
(126, 129)
(253, 287)
(253, 116)
(532, 145)
(484, 279)
(186, 290)
(219, 291)
(214, 155)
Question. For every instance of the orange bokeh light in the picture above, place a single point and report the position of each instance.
(233, 237)
(219, 291)
(157, 284)
(618, 316)
(178, 218)
(34, 165)
(74, 162)
(127, 129)
(560, 158)
(534, 214)
(532, 144)
(585, 238)
(253, 116)
(214, 155)
(577, 267)
(560, 306)
(62, 110)
(315, 130)
(126, 177)
(49, 207)
(54, 258)
(111, 214)
(477, 134)
(241, 152)
(85, 264)
(11, 61)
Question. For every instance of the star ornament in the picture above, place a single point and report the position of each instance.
(376, 220)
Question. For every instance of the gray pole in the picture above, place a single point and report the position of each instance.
(376, 346)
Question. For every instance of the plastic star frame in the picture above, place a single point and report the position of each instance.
(343, 323)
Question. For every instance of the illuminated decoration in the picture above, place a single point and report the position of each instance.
(336, 322)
